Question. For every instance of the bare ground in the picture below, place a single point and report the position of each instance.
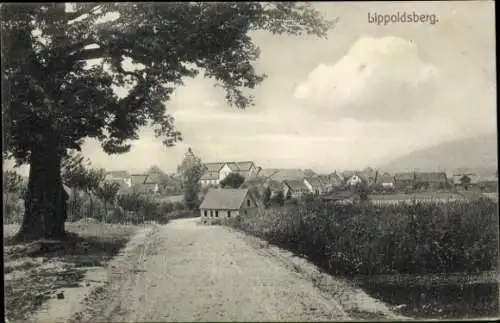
(33, 279)
(187, 272)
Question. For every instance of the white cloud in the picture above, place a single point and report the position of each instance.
(378, 79)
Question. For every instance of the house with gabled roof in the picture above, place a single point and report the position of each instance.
(142, 184)
(316, 185)
(354, 178)
(334, 180)
(217, 171)
(404, 180)
(118, 176)
(431, 180)
(227, 203)
(294, 188)
(386, 180)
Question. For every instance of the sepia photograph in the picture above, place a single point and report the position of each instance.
(249, 161)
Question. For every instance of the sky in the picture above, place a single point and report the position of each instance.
(366, 95)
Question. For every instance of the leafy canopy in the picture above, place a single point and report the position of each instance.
(55, 100)
(232, 180)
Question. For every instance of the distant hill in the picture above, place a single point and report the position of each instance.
(474, 154)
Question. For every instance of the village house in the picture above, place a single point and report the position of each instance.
(334, 181)
(214, 173)
(370, 176)
(227, 203)
(404, 181)
(432, 180)
(465, 180)
(488, 182)
(282, 174)
(141, 184)
(353, 178)
(316, 185)
(119, 176)
(386, 181)
(295, 189)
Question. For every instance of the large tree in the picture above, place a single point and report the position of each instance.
(53, 100)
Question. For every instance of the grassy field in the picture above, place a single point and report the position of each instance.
(32, 277)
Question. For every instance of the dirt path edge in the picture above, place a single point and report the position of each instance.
(356, 302)
(92, 305)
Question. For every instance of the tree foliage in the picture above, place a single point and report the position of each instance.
(74, 171)
(107, 193)
(232, 180)
(192, 171)
(46, 46)
(12, 182)
(53, 100)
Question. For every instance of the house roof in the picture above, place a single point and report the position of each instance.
(265, 173)
(385, 178)
(287, 174)
(214, 167)
(431, 177)
(244, 165)
(118, 173)
(334, 176)
(362, 176)
(316, 181)
(210, 176)
(138, 178)
(404, 176)
(224, 198)
(234, 166)
(295, 184)
(153, 178)
(369, 174)
(349, 173)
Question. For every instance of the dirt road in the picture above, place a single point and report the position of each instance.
(189, 272)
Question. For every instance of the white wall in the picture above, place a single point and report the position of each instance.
(225, 170)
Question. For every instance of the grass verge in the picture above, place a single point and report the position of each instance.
(33, 277)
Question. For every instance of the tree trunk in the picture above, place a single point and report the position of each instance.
(45, 204)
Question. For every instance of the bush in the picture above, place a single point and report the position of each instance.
(363, 239)
(13, 211)
(179, 206)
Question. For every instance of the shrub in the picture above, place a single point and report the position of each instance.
(13, 209)
(366, 239)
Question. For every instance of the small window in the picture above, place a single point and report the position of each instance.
(248, 202)
(228, 214)
(205, 212)
(216, 214)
